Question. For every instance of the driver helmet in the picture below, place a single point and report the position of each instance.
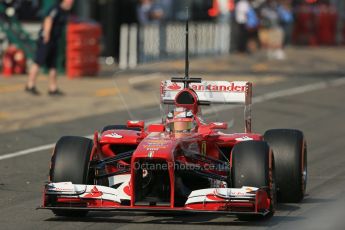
(180, 121)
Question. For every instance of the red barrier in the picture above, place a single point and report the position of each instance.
(82, 72)
(13, 61)
(83, 49)
(303, 25)
(19, 62)
(7, 65)
(326, 22)
(315, 25)
(84, 28)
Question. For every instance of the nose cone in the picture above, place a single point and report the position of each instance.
(156, 146)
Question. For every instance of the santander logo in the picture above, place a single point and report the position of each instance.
(127, 190)
(220, 88)
(174, 86)
(94, 193)
(213, 87)
(214, 198)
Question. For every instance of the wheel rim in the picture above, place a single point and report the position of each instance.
(273, 186)
(274, 190)
(304, 169)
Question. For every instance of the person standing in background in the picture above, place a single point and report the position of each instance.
(241, 11)
(286, 19)
(47, 47)
(252, 26)
(149, 13)
(271, 34)
(248, 24)
(222, 9)
(167, 6)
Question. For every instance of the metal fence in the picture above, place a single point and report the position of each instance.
(143, 44)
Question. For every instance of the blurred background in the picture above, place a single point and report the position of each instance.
(125, 33)
(112, 58)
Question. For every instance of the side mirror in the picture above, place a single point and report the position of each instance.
(219, 125)
(156, 128)
(136, 124)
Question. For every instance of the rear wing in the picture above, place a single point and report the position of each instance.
(213, 92)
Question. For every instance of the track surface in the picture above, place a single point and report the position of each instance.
(320, 113)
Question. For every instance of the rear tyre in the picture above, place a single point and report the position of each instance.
(70, 163)
(114, 127)
(290, 152)
(253, 165)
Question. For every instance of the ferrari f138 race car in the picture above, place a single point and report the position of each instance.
(182, 164)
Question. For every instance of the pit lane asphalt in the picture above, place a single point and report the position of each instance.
(319, 113)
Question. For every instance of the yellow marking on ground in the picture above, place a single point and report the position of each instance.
(11, 88)
(260, 67)
(176, 64)
(107, 92)
(270, 80)
(3, 115)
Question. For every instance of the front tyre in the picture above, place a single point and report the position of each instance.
(70, 163)
(290, 152)
(253, 165)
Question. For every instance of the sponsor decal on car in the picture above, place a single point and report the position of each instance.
(219, 88)
(174, 86)
(94, 193)
(127, 190)
(245, 138)
(211, 91)
(211, 86)
(214, 197)
(203, 148)
(61, 187)
(114, 135)
(150, 154)
(155, 144)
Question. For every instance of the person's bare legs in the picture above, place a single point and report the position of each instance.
(32, 78)
(35, 68)
(53, 89)
(52, 80)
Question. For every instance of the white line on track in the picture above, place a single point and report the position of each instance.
(30, 151)
(258, 99)
(26, 151)
(144, 78)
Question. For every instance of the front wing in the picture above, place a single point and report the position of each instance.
(65, 195)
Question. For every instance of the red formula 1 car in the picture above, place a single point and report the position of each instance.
(183, 164)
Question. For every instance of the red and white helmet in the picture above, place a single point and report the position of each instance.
(180, 121)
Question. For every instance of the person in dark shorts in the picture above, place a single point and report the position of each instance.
(47, 47)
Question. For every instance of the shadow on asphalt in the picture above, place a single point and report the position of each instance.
(288, 207)
(291, 207)
(176, 219)
(317, 201)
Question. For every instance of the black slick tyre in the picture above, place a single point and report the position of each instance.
(253, 165)
(70, 163)
(290, 152)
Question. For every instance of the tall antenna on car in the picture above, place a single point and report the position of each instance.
(187, 50)
(186, 79)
